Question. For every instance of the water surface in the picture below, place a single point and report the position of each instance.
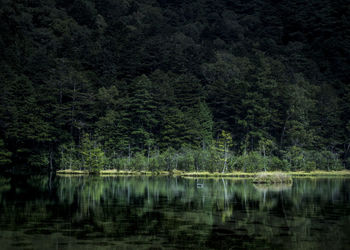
(39, 212)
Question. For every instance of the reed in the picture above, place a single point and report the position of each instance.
(272, 177)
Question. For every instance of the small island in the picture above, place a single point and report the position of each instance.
(272, 178)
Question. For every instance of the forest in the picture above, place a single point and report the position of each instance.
(200, 85)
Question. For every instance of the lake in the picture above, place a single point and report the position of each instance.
(140, 212)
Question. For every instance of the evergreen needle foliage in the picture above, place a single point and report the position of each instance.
(161, 85)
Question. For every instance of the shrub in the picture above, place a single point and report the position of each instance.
(275, 164)
(271, 178)
(324, 160)
(310, 166)
(93, 158)
(139, 162)
(251, 162)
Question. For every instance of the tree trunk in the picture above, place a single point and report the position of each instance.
(225, 158)
(148, 155)
(51, 161)
(264, 158)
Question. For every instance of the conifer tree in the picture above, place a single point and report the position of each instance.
(205, 120)
(5, 155)
(142, 109)
(224, 142)
(93, 157)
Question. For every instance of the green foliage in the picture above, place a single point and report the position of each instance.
(277, 164)
(88, 156)
(142, 108)
(139, 162)
(251, 162)
(39, 159)
(173, 129)
(325, 160)
(223, 144)
(205, 120)
(5, 155)
(214, 160)
(186, 160)
(144, 77)
(113, 124)
(296, 158)
(93, 158)
(298, 129)
(308, 160)
(310, 166)
(69, 157)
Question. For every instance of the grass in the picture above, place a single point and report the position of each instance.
(321, 173)
(111, 172)
(70, 171)
(212, 174)
(131, 172)
(271, 178)
(205, 174)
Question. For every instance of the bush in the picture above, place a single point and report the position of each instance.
(232, 163)
(325, 160)
(185, 160)
(310, 166)
(275, 164)
(296, 158)
(139, 162)
(39, 159)
(155, 163)
(93, 157)
(201, 160)
(251, 162)
(214, 161)
(69, 157)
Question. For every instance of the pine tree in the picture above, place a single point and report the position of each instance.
(224, 142)
(205, 120)
(142, 109)
(93, 157)
(173, 131)
(5, 155)
(298, 130)
(113, 125)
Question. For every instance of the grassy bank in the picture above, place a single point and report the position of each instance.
(321, 173)
(202, 174)
(272, 178)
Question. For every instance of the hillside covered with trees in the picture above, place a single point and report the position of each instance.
(215, 85)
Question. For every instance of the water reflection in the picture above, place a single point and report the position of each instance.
(168, 212)
(278, 187)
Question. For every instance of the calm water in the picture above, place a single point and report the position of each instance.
(38, 212)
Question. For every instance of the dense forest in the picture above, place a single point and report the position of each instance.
(215, 85)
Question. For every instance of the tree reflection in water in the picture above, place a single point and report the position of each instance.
(98, 212)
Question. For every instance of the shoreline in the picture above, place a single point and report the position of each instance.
(115, 172)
